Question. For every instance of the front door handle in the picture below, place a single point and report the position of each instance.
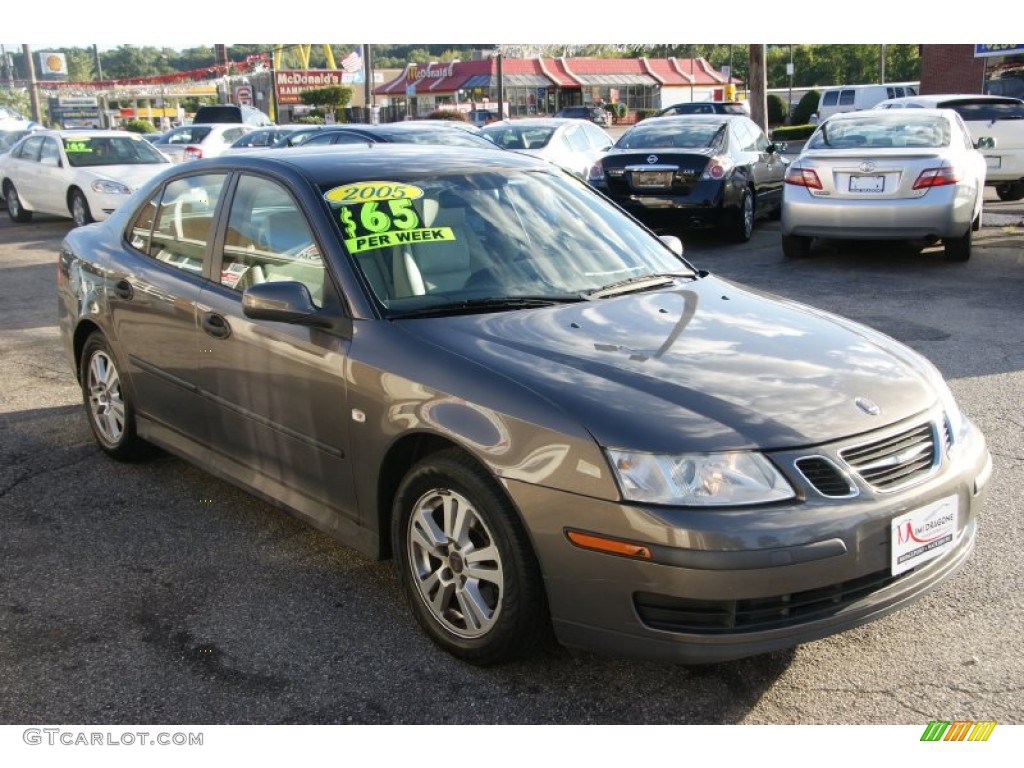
(216, 325)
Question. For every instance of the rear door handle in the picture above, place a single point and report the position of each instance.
(216, 325)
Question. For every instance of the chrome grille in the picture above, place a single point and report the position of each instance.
(897, 460)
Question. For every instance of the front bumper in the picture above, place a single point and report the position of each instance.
(797, 571)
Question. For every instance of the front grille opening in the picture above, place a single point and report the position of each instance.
(710, 617)
(825, 477)
(897, 460)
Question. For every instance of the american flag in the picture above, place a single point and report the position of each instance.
(352, 63)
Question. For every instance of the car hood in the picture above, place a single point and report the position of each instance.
(133, 176)
(706, 365)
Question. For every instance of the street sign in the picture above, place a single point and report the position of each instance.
(243, 95)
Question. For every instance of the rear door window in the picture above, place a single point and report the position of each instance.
(847, 97)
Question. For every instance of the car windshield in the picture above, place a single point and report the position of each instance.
(188, 134)
(491, 240)
(661, 133)
(987, 110)
(86, 151)
(882, 129)
(517, 137)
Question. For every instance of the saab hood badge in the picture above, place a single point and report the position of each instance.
(868, 406)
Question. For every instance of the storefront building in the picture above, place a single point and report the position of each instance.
(542, 86)
(979, 68)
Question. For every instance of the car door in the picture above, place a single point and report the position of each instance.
(275, 392)
(23, 172)
(53, 175)
(152, 296)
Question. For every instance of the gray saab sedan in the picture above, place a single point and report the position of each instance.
(472, 362)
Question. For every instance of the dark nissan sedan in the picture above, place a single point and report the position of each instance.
(695, 171)
(473, 363)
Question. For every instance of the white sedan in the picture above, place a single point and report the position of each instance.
(86, 175)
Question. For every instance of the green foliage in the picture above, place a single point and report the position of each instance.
(616, 109)
(643, 114)
(777, 109)
(808, 106)
(17, 101)
(448, 114)
(139, 126)
(792, 132)
(333, 96)
(310, 119)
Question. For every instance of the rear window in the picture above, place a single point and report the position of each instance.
(222, 114)
(986, 109)
(189, 134)
(882, 129)
(680, 135)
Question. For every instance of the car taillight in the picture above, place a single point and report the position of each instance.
(193, 153)
(803, 177)
(717, 168)
(596, 172)
(936, 177)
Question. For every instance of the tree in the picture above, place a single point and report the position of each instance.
(331, 98)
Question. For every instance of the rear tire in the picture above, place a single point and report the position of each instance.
(742, 226)
(14, 207)
(959, 248)
(796, 246)
(1010, 192)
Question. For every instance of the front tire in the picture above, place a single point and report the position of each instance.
(107, 403)
(1010, 192)
(465, 562)
(14, 207)
(80, 211)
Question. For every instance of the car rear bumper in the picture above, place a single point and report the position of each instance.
(706, 203)
(796, 572)
(1004, 167)
(940, 213)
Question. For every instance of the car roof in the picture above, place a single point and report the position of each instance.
(326, 164)
(535, 122)
(68, 132)
(714, 117)
(881, 114)
(941, 97)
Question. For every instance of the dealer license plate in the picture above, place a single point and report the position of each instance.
(652, 179)
(867, 183)
(993, 162)
(923, 534)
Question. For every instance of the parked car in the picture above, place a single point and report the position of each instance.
(705, 108)
(191, 142)
(574, 145)
(854, 98)
(998, 118)
(695, 170)
(886, 175)
(593, 114)
(471, 362)
(482, 117)
(411, 132)
(86, 175)
(231, 113)
(276, 137)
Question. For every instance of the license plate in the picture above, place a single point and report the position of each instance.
(867, 183)
(993, 162)
(652, 179)
(923, 534)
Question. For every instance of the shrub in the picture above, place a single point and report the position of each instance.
(807, 106)
(643, 114)
(777, 109)
(448, 114)
(310, 119)
(792, 132)
(139, 126)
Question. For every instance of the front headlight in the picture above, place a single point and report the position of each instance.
(699, 479)
(108, 187)
(955, 421)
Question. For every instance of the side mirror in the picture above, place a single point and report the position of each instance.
(674, 243)
(286, 301)
(986, 142)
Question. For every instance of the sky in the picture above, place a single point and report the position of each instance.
(525, 21)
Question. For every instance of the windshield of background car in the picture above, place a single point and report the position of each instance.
(85, 151)
(987, 110)
(449, 136)
(658, 134)
(424, 243)
(882, 129)
(515, 137)
(188, 134)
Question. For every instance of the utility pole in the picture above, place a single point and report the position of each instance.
(501, 88)
(33, 86)
(758, 87)
(789, 102)
(881, 63)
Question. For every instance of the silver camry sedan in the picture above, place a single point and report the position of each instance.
(886, 175)
(473, 363)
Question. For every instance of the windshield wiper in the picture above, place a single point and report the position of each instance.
(638, 283)
(491, 304)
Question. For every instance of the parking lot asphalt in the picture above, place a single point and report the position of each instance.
(153, 593)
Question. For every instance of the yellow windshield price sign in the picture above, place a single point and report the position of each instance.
(372, 191)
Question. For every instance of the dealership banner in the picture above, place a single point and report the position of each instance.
(998, 50)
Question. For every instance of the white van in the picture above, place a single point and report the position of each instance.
(851, 98)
